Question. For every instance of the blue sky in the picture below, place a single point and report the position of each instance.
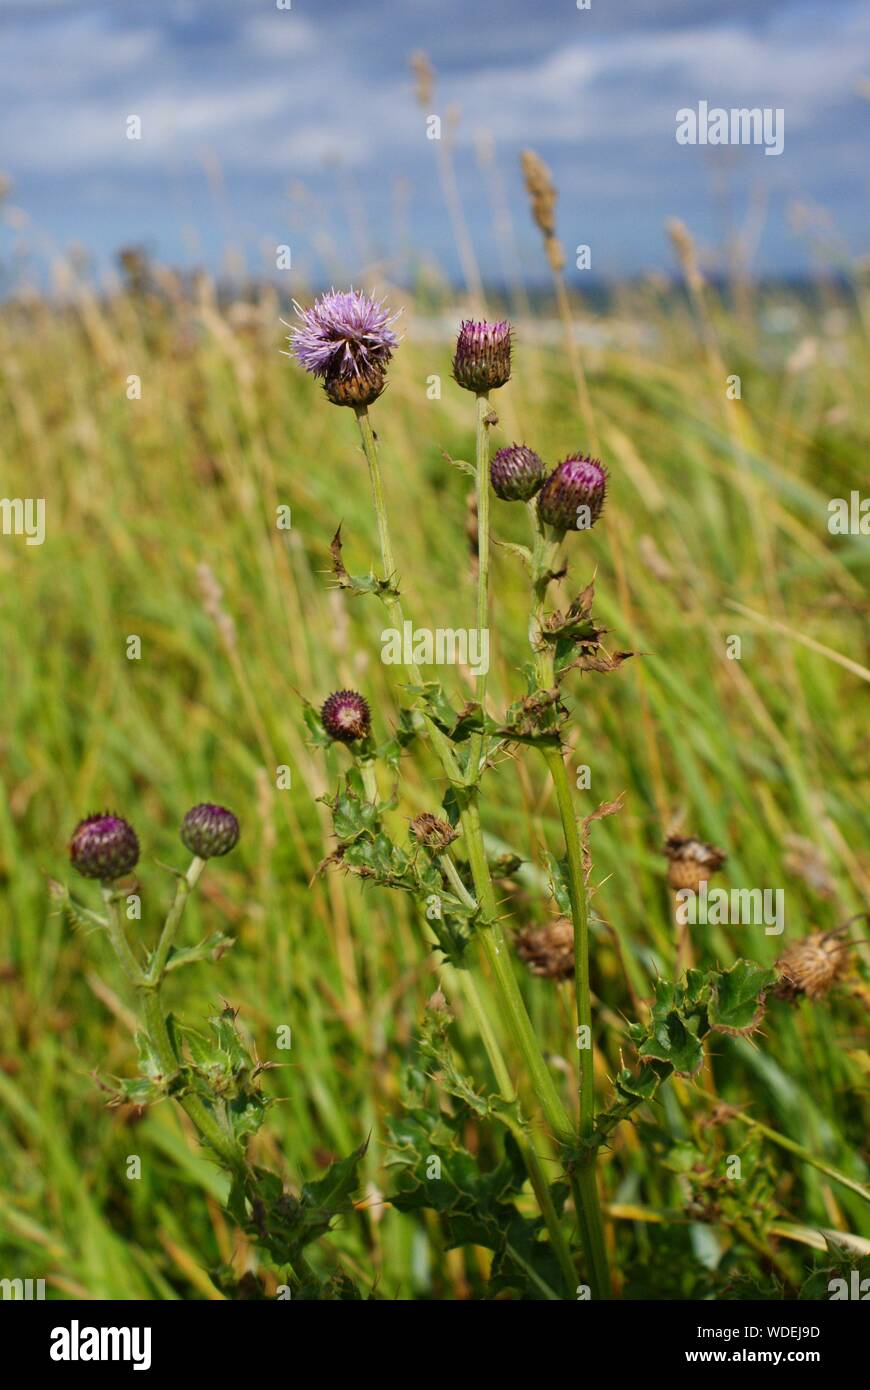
(264, 126)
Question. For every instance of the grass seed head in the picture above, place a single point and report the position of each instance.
(209, 831)
(104, 847)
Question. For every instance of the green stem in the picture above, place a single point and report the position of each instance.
(391, 601)
(492, 937)
(580, 914)
(467, 985)
(370, 781)
(477, 751)
(184, 887)
(129, 964)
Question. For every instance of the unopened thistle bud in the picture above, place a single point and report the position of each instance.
(346, 717)
(483, 355)
(691, 862)
(573, 496)
(432, 832)
(548, 951)
(104, 847)
(516, 473)
(209, 831)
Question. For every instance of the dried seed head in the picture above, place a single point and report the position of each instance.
(812, 966)
(516, 473)
(209, 831)
(104, 847)
(483, 355)
(573, 496)
(345, 338)
(345, 716)
(548, 951)
(434, 833)
(691, 862)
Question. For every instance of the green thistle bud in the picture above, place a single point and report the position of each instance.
(209, 831)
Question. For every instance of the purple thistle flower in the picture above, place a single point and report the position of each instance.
(346, 716)
(573, 495)
(483, 355)
(209, 831)
(104, 847)
(516, 473)
(345, 339)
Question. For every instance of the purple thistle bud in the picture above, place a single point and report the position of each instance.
(104, 847)
(516, 473)
(483, 355)
(345, 339)
(209, 831)
(345, 716)
(573, 495)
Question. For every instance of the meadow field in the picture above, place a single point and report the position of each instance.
(161, 523)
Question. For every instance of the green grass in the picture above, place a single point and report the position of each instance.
(713, 504)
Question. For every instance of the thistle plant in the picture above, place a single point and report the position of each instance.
(214, 1077)
(444, 867)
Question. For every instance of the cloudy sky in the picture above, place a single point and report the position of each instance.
(264, 126)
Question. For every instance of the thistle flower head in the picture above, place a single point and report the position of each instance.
(573, 496)
(691, 862)
(104, 847)
(548, 951)
(209, 831)
(516, 473)
(483, 355)
(345, 716)
(345, 339)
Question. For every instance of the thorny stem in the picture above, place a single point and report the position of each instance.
(544, 557)
(464, 981)
(148, 990)
(477, 752)
(492, 938)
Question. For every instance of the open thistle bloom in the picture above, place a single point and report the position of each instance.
(573, 496)
(483, 355)
(345, 339)
(104, 847)
(691, 862)
(209, 831)
(346, 717)
(516, 473)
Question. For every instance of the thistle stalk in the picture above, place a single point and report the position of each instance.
(476, 757)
